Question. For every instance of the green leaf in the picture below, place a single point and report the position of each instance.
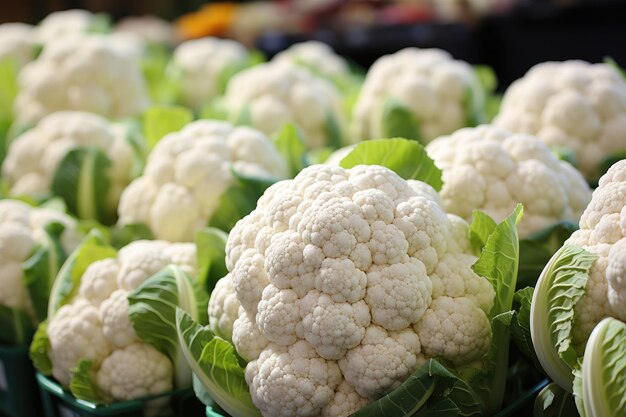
(100, 23)
(412, 394)
(9, 70)
(334, 133)
(565, 154)
(577, 387)
(397, 120)
(238, 200)
(520, 326)
(604, 370)
(406, 158)
(17, 326)
(214, 110)
(488, 83)
(243, 117)
(39, 348)
(610, 61)
(481, 228)
(537, 249)
(215, 364)
(152, 311)
(40, 269)
(318, 156)
(67, 282)
(163, 83)
(82, 181)
(554, 401)
(158, 121)
(82, 385)
(498, 262)
(609, 160)
(122, 236)
(290, 144)
(560, 286)
(211, 253)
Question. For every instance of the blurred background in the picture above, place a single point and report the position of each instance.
(508, 35)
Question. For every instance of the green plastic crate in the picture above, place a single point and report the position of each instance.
(19, 395)
(212, 412)
(58, 403)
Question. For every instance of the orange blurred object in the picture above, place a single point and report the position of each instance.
(213, 19)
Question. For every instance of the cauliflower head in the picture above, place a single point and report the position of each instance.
(96, 325)
(34, 156)
(316, 56)
(85, 73)
(272, 94)
(490, 169)
(602, 232)
(16, 43)
(574, 106)
(348, 279)
(73, 23)
(202, 62)
(21, 230)
(441, 93)
(150, 29)
(187, 172)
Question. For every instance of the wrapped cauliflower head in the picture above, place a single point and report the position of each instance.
(34, 157)
(96, 325)
(16, 43)
(87, 74)
(490, 169)
(22, 231)
(269, 95)
(203, 64)
(316, 56)
(347, 280)
(573, 106)
(440, 95)
(188, 171)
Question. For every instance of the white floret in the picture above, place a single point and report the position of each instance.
(84, 73)
(247, 338)
(75, 334)
(16, 43)
(440, 92)
(136, 371)
(202, 63)
(116, 325)
(490, 169)
(223, 308)
(317, 57)
(345, 402)
(572, 105)
(186, 174)
(280, 92)
(150, 29)
(99, 281)
(74, 23)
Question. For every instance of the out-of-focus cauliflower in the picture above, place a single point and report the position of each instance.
(188, 171)
(316, 56)
(203, 63)
(21, 230)
(574, 106)
(84, 73)
(441, 93)
(34, 156)
(348, 280)
(269, 95)
(150, 29)
(96, 326)
(16, 43)
(73, 23)
(490, 169)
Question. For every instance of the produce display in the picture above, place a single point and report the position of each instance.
(188, 225)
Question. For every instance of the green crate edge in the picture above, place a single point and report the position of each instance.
(210, 412)
(49, 387)
(31, 409)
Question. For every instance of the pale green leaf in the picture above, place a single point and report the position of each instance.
(161, 120)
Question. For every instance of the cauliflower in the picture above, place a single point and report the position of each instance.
(188, 171)
(85, 73)
(150, 29)
(316, 56)
(573, 106)
(73, 23)
(348, 280)
(33, 157)
(269, 95)
(203, 63)
(96, 325)
(443, 95)
(490, 169)
(21, 231)
(16, 43)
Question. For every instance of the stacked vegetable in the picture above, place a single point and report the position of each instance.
(380, 283)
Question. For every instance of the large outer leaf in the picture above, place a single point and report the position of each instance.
(560, 286)
(152, 311)
(520, 326)
(82, 181)
(215, 364)
(482, 226)
(93, 248)
(406, 158)
(604, 370)
(290, 145)
(81, 384)
(161, 120)
(40, 270)
(211, 254)
(554, 401)
(430, 379)
(394, 119)
(39, 349)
